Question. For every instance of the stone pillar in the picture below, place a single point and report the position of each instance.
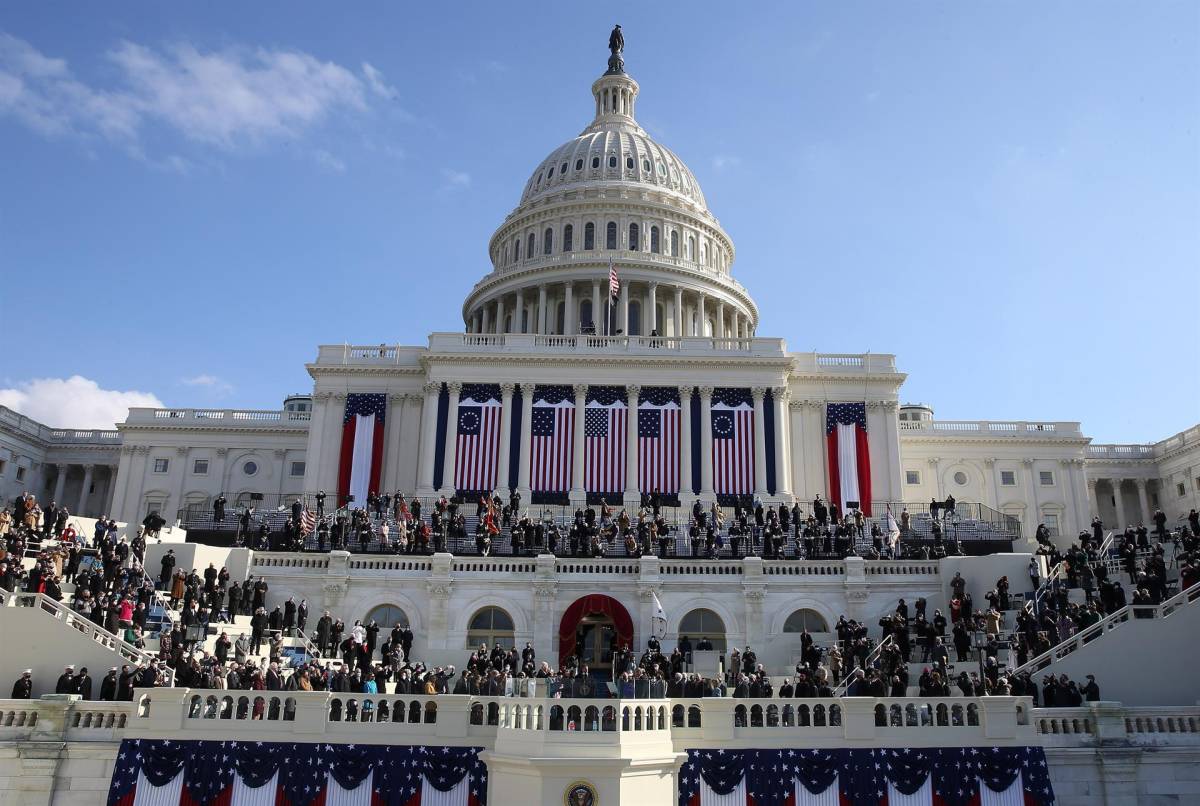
(632, 483)
(1119, 774)
(545, 592)
(1143, 501)
(487, 318)
(623, 315)
(760, 443)
(678, 312)
(795, 449)
(652, 305)
(500, 328)
(389, 478)
(891, 430)
(699, 315)
(719, 325)
(685, 443)
(60, 483)
(577, 443)
(541, 315)
(451, 445)
(1122, 520)
(569, 327)
(428, 436)
(706, 468)
(597, 308)
(87, 483)
(502, 462)
(438, 588)
(519, 312)
(523, 461)
(1093, 502)
(783, 444)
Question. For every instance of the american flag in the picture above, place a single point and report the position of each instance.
(551, 437)
(849, 455)
(478, 447)
(605, 424)
(203, 773)
(361, 460)
(614, 285)
(308, 521)
(658, 439)
(732, 441)
(948, 776)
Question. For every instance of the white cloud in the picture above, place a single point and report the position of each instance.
(210, 382)
(377, 83)
(455, 180)
(74, 402)
(224, 98)
(723, 161)
(329, 162)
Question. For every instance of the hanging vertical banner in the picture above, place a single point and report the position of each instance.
(551, 437)
(605, 418)
(477, 448)
(732, 441)
(849, 458)
(658, 440)
(362, 446)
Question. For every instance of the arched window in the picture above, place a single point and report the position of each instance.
(562, 169)
(612, 160)
(674, 243)
(703, 254)
(610, 235)
(387, 616)
(802, 620)
(635, 318)
(585, 313)
(703, 623)
(579, 164)
(547, 241)
(691, 248)
(568, 238)
(629, 163)
(530, 247)
(589, 235)
(549, 173)
(634, 244)
(516, 250)
(655, 245)
(646, 166)
(490, 626)
(596, 162)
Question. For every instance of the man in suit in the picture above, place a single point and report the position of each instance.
(219, 508)
(108, 686)
(83, 683)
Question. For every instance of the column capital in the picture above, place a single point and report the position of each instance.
(339, 397)
(1115, 482)
(781, 393)
(653, 285)
(797, 405)
(1091, 483)
(323, 396)
(507, 388)
(222, 451)
(706, 392)
(758, 392)
(396, 397)
(454, 387)
(61, 467)
(685, 393)
(180, 450)
(933, 460)
(432, 388)
(580, 389)
(1027, 462)
(1141, 483)
(633, 390)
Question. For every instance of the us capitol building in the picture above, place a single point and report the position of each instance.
(567, 393)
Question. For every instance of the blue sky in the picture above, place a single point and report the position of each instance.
(1005, 195)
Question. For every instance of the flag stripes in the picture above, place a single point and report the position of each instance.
(551, 439)
(477, 448)
(732, 442)
(659, 434)
(604, 432)
(849, 457)
(361, 460)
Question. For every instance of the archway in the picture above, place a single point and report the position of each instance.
(593, 613)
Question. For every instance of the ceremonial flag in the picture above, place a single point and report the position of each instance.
(658, 440)
(658, 621)
(605, 418)
(552, 435)
(951, 776)
(614, 284)
(893, 529)
(208, 773)
(308, 521)
(478, 445)
(732, 441)
(849, 458)
(362, 446)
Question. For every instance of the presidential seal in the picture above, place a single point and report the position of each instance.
(581, 793)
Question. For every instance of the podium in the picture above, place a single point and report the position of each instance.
(706, 663)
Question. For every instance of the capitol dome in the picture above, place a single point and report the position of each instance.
(611, 196)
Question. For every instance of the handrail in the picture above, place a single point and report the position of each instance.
(1101, 628)
(872, 656)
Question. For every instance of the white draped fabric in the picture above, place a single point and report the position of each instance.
(335, 795)
(735, 798)
(847, 463)
(455, 797)
(1013, 796)
(245, 796)
(827, 798)
(360, 467)
(166, 795)
(922, 797)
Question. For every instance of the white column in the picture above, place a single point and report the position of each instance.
(783, 442)
(597, 308)
(1122, 520)
(685, 442)
(1093, 502)
(506, 393)
(1143, 501)
(519, 312)
(1035, 512)
(388, 481)
(569, 304)
(623, 317)
(632, 484)
(652, 305)
(486, 315)
(719, 325)
(760, 443)
(678, 312)
(500, 328)
(526, 416)
(451, 437)
(541, 320)
(699, 315)
(796, 435)
(87, 483)
(428, 436)
(577, 443)
(60, 483)
(706, 467)
(892, 430)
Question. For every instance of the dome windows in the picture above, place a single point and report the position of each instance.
(674, 243)
(530, 247)
(610, 235)
(634, 242)
(579, 164)
(568, 244)
(595, 162)
(662, 170)
(655, 243)
(562, 169)
(547, 241)
(549, 173)
(629, 163)
(612, 160)
(589, 235)
(646, 166)
(516, 250)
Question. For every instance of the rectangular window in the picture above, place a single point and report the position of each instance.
(912, 476)
(20, 473)
(200, 467)
(3, 465)
(161, 465)
(1051, 521)
(297, 468)
(1047, 478)
(1180, 489)
(1008, 478)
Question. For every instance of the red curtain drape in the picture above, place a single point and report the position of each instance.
(593, 603)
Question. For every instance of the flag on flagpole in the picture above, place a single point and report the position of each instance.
(614, 284)
(849, 458)
(658, 621)
(308, 522)
(362, 446)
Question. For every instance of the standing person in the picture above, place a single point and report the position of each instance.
(219, 508)
(23, 688)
